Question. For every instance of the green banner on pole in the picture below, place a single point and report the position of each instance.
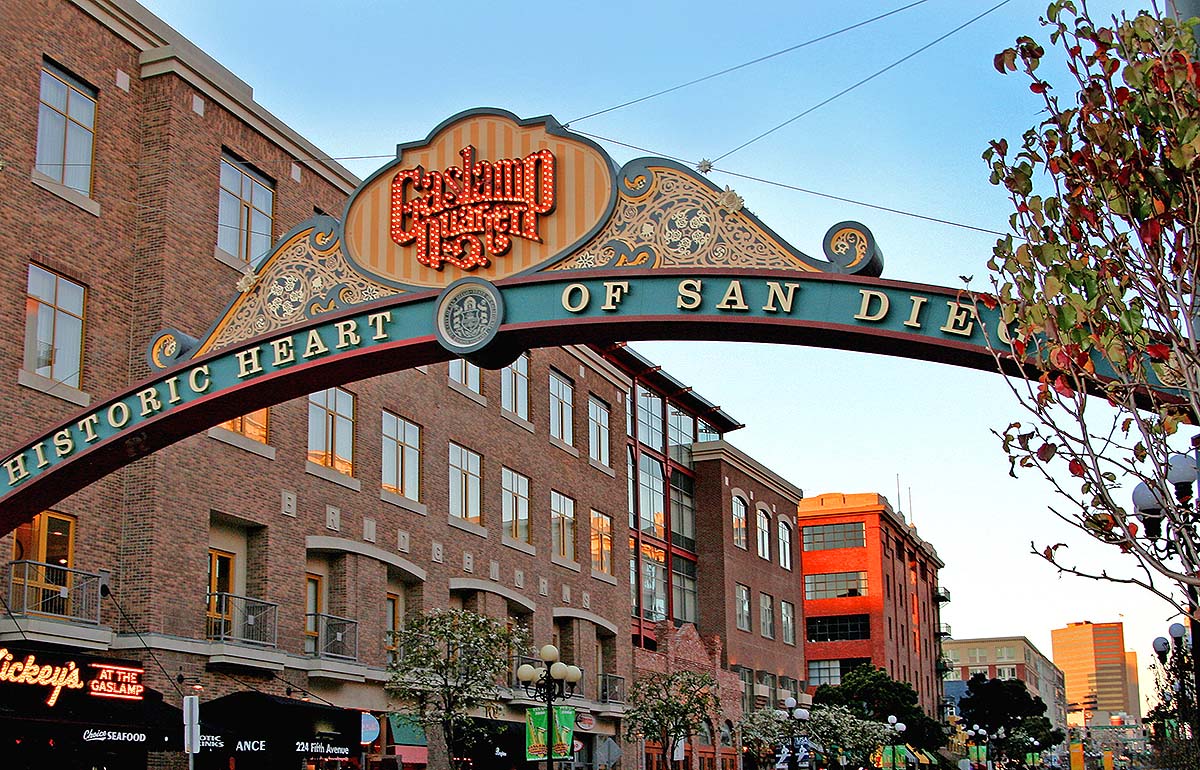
(536, 729)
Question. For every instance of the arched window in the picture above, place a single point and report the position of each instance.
(785, 545)
(763, 532)
(739, 522)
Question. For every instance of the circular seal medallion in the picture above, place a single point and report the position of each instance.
(469, 313)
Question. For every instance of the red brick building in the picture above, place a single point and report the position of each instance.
(262, 563)
(870, 594)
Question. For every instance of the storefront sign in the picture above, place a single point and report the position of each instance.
(59, 674)
(113, 736)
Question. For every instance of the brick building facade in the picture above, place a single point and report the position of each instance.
(272, 555)
(871, 594)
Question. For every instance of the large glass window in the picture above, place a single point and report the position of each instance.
(562, 525)
(838, 628)
(830, 585)
(766, 615)
(331, 429)
(651, 497)
(787, 621)
(598, 430)
(401, 456)
(464, 484)
(631, 479)
(826, 537)
(683, 587)
(466, 374)
(785, 544)
(650, 418)
(740, 538)
(824, 672)
(515, 493)
(66, 129)
(654, 582)
(680, 428)
(514, 387)
(762, 532)
(602, 543)
(683, 511)
(54, 326)
(245, 211)
(253, 426)
(741, 599)
(562, 400)
(706, 432)
(634, 593)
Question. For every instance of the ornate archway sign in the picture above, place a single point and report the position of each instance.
(492, 236)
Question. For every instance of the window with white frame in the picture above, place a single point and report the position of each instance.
(763, 533)
(54, 326)
(1006, 672)
(515, 504)
(331, 429)
(785, 544)
(465, 374)
(766, 615)
(245, 211)
(401, 456)
(739, 522)
(602, 543)
(66, 129)
(464, 484)
(787, 621)
(562, 524)
(598, 430)
(514, 387)
(741, 595)
(562, 397)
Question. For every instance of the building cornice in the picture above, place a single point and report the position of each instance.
(726, 452)
(164, 51)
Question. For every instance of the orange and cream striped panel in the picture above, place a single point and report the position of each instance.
(583, 193)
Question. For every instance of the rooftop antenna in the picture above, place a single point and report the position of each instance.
(910, 506)
(899, 512)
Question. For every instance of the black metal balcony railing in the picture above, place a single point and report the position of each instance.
(37, 588)
(241, 619)
(944, 630)
(331, 636)
(941, 594)
(612, 688)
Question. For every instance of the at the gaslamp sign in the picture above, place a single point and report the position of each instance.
(467, 214)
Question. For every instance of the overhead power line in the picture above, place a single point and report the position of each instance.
(862, 82)
(743, 65)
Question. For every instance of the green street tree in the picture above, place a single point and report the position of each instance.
(670, 707)
(837, 728)
(1013, 718)
(869, 693)
(446, 676)
(1098, 288)
(763, 732)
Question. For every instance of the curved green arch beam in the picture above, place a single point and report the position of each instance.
(822, 310)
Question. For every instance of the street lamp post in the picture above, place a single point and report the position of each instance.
(553, 681)
(795, 717)
(978, 737)
(897, 727)
(1186, 704)
(1163, 530)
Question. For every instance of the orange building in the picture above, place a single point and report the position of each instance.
(1095, 666)
(870, 593)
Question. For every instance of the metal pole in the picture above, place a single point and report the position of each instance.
(549, 683)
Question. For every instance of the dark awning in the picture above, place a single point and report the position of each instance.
(260, 724)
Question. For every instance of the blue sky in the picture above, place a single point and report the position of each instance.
(357, 78)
